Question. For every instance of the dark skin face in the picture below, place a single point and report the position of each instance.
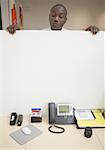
(57, 17)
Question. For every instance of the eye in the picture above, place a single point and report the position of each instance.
(53, 15)
(61, 16)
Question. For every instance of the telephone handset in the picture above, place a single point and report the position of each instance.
(52, 113)
(60, 114)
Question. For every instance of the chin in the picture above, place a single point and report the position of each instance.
(56, 28)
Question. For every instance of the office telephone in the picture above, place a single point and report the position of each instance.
(60, 114)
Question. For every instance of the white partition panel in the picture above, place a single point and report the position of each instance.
(41, 66)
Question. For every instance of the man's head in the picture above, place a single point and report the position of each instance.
(57, 16)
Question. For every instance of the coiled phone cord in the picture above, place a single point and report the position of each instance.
(62, 129)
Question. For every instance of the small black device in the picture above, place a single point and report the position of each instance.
(13, 118)
(35, 119)
(88, 132)
(20, 120)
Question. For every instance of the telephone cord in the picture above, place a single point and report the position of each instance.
(62, 129)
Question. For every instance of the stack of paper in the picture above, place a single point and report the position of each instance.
(83, 114)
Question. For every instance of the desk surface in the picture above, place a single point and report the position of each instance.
(71, 139)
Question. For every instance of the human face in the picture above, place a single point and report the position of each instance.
(57, 17)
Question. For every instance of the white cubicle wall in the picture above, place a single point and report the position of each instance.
(41, 66)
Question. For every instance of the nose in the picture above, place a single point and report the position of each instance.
(56, 19)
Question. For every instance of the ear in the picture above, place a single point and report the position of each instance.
(65, 20)
(49, 17)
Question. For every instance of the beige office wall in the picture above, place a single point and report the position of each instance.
(81, 13)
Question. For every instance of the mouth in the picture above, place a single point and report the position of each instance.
(56, 25)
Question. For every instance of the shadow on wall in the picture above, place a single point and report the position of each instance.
(0, 19)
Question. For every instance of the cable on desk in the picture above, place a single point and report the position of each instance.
(62, 129)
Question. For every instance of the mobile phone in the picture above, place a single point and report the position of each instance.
(20, 120)
(13, 118)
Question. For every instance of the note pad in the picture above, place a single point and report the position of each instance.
(84, 114)
(21, 138)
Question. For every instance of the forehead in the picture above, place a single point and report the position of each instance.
(58, 9)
